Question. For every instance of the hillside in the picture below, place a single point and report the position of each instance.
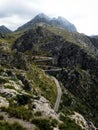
(49, 79)
(46, 38)
(24, 98)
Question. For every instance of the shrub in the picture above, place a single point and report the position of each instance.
(23, 99)
(1, 117)
(54, 122)
(38, 113)
(68, 124)
(43, 124)
(20, 112)
(7, 126)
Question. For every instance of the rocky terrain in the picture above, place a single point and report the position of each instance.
(48, 78)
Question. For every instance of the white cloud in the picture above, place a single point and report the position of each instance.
(82, 13)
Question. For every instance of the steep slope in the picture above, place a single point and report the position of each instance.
(42, 18)
(94, 41)
(27, 95)
(79, 75)
(4, 30)
(39, 40)
(76, 55)
(45, 38)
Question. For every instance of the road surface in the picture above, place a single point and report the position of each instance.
(57, 103)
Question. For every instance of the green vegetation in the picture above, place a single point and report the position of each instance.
(23, 99)
(20, 112)
(1, 117)
(38, 113)
(54, 122)
(42, 124)
(7, 126)
(68, 124)
(43, 84)
(19, 72)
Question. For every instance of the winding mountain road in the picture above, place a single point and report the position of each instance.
(57, 103)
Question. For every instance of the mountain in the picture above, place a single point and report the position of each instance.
(42, 18)
(48, 79)
(74, 53)
(4, 30)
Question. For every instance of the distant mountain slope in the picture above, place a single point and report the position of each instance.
(94, 41)
(39, 40)
(4, 30)
(50, 39)
(95, 36)
(63, 23)
(42, 18)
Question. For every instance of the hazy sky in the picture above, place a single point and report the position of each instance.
(82, 13)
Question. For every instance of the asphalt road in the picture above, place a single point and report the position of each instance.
(57, 103)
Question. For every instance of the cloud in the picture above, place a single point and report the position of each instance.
(14, 13)
(82, 13)
(16, 7)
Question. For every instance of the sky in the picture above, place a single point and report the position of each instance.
(82, 13)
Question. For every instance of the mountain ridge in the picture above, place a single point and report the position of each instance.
(60, 22)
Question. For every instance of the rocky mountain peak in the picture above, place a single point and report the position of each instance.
(42, 18)
(41, 15)
(63, 20)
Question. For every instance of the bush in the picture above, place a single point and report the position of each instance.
(68, 124)
(42, 124)
(1, 117)
(54, 122)
(23, 99)
(7, 126)
(38, 113)
(20, 112)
